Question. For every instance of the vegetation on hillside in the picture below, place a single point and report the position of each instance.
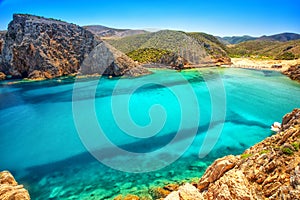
(212, 45)
(266, 49)
(194, 47)
(235, 39)
(148, 55)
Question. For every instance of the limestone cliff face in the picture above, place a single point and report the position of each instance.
(9, 188)
(38, 48)
(268, 170)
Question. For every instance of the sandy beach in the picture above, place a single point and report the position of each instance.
(263, 64)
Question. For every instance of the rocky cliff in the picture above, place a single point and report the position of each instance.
(268, 170)
(9, 188)
(293, 72)
(37, 48)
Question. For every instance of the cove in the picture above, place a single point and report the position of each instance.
(41, 146)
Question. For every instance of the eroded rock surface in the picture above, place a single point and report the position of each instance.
(9, 188)
(293, 72)
(40, 48)
(268, 170)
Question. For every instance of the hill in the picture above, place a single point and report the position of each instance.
(235, 39)
(103, 31)
(194, 48)
(266, 49)
(282, 37)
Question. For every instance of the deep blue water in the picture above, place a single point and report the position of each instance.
(48, 127)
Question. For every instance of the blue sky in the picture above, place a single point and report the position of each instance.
(217, 17)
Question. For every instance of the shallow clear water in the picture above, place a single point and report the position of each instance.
(45, 148)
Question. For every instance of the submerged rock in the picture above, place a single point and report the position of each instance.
(9, 188)
(268, 170)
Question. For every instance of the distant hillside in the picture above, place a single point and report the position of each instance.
(103, 31)
(282, 37)
(235, 39)
(266, 49)
(195, 48)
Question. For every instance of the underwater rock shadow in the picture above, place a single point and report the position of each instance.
(142, 146)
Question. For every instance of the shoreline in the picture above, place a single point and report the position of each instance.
(248, 63)
(242, 63)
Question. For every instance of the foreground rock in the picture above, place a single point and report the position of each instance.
(9, 188)
(39, 48)
(268, 170)
(293, 72)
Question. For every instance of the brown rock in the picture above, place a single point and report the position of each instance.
(293, 72)
(2, 76)
(216, 170)
(9, 188)
(131, 197)
(266, 174)
(158, 192)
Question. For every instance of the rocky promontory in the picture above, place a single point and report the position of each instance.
(293, 72)
(9, 188)
(268, 170)
(41, 48)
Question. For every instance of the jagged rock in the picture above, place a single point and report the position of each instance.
(40, 48)
(52, 47)
(9, 188)
(2, 76)
(266, 172)
(185, 192)
(106, 60)
(291, 119)
(216, 170)
(293, 72)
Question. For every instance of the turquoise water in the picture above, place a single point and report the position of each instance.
(46, 128)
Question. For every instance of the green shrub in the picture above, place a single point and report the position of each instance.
(286, 56)
(246, 155)
(147, 55)
(296, 145)
(264, 151)
(287, 151)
